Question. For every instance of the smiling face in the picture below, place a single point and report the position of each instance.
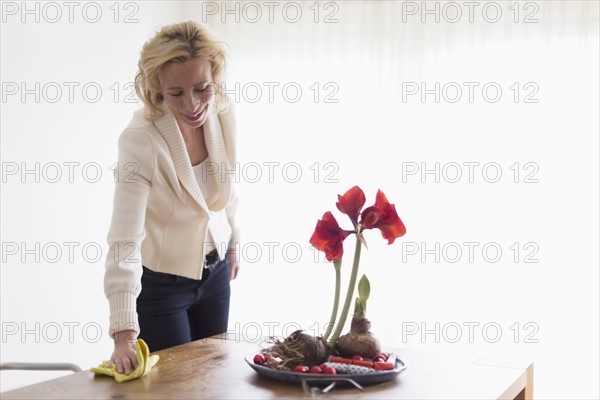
(188, 91)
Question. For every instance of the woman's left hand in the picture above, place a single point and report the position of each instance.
(233, 263)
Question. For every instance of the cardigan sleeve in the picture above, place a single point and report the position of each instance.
(231, 217)
(229, 129)
(122, 278)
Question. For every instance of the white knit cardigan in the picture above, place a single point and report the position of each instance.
(160, 218)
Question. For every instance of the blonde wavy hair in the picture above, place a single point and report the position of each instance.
(178, 43)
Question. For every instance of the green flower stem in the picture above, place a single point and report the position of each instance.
(349, 294)
(336, 300)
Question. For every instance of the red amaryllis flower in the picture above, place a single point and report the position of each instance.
(351, 203)
(328, 237)
(383, 215)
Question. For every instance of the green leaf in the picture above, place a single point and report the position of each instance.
(364, 288)
(360, 307)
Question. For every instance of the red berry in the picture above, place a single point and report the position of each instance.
(300, 368)
(316, 370)
(357, 358)
(329, 371)
(260, 359)
(379, 359)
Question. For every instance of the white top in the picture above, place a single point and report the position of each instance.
(205, 175)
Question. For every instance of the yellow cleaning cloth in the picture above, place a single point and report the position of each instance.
(145, 364)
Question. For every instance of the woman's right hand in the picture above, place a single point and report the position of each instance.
(124, 355)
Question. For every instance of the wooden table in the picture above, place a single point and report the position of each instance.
(215, 368)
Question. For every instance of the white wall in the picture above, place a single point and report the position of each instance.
(59, 296)
(371, 136)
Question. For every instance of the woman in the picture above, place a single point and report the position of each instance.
(173, 235)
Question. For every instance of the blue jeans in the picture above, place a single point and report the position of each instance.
(173, 310)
